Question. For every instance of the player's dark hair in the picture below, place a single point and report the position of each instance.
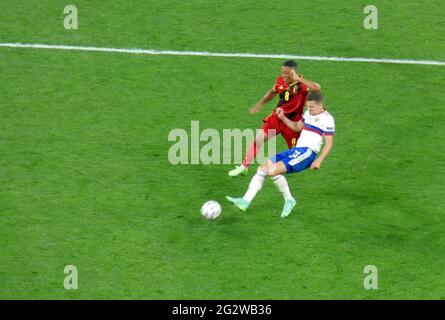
(290, 64)
(315, 96)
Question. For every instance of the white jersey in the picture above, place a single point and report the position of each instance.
(315, 127)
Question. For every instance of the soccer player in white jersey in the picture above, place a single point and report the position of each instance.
(317, 125)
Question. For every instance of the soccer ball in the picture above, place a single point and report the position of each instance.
(211, 210)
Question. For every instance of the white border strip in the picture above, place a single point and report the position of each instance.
(215, 54)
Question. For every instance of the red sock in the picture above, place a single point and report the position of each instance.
(250, 154)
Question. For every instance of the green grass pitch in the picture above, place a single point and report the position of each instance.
(85, 178)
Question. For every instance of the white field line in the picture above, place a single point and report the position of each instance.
(216, 54)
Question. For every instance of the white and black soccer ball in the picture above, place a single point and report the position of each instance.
(211, 210)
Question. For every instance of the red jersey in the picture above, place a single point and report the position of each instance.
(292, 97)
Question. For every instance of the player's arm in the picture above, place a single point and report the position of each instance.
(313, 86)
(267, 97)
(328, 144)
(295, 126)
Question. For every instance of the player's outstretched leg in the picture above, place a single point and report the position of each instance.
(255, 185)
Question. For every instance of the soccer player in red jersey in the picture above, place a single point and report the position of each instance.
(292, 90)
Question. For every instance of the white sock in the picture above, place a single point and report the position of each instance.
(255, 185)
(281, 183)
